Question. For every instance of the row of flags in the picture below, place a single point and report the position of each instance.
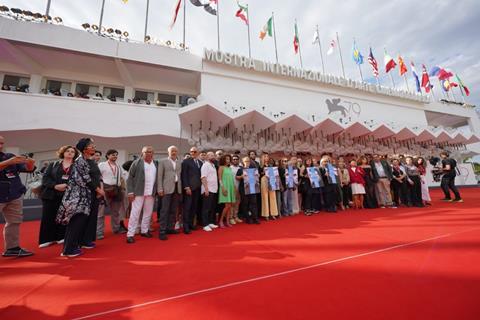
(443, 75)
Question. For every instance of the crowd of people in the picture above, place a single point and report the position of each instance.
(200, 191)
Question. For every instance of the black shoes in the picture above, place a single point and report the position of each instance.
(173, 232)
(130, 240)
(146, 235)
(17, 252)
(187, 231)
(163, 236)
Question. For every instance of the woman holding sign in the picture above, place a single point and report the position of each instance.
(249, 187)
(226, 193)
(329, 178)
(269, 184)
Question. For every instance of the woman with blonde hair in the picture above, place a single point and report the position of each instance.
(54, 184)
(269, 196)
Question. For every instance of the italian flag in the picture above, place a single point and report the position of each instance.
(267, 29)
(462, 86)
(242, 12)
(296, 40)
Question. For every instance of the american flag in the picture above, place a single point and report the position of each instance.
(373, 63)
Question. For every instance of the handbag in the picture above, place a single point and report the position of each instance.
(113, 191)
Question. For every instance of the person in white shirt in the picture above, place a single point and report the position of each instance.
(209, 191)
(112, 176)
(141, 189)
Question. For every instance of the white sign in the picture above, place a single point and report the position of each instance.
(292, 72)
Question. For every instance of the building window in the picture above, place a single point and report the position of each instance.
(58, 88)
(86, 89)
(114, 94)
(16, 83)
(143, 97)
(164, 99)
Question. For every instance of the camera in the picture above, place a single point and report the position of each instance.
(437, 171)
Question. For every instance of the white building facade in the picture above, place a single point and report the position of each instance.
(127, 95)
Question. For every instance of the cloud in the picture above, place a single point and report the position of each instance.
(444, 32)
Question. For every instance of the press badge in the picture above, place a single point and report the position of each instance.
(10, 175)
(65, 177)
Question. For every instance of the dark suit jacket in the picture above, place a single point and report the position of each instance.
(191, 174)
(386, 167)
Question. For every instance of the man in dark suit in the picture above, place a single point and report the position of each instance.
(191, 183)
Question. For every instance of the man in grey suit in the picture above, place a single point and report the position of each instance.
(169, 189)
(141, 189)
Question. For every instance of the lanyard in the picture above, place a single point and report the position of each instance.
(113, 168)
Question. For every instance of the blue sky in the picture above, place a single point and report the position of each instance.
(441, 32)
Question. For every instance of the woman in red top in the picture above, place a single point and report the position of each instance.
(357, 183)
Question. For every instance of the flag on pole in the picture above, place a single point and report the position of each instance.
(242, 12)
(415, 76)
(210, 5)
(296, 39)
(125, 1)
(426, 80)
(357, 56)
(401, 65)
(444, 74)
(316, 38)
(462, 86)
(267, 29)
(446, 85)
(373, 62)
(389, 63)
(333, 44)
(175, 13)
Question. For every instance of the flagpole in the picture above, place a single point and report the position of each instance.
(340, 52)
(275, 36)
(431, 89)
(320, 47)
(299, 46)
(248, 30)
(218, 24)
(359, 68)
(146, 21)
(47, 11)
(184, 24)
(101, 18)
(405, 74)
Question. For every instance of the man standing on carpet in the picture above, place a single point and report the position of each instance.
(141, 190)
(11, 199)
(170, 189)
(191, 182)
(382, 175)
(449, 167)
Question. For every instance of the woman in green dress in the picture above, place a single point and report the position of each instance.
(227, 192)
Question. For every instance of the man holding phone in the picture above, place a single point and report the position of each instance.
(11, 199)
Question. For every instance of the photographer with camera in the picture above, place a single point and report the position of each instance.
(449, 167)
(11, 199)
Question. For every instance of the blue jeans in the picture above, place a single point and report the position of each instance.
(288, 201)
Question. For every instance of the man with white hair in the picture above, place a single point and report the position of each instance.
(141, 189)
(170, 190)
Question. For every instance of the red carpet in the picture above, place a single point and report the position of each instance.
(372, 264)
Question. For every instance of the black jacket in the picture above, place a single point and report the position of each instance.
(191, 174)
(386, 167)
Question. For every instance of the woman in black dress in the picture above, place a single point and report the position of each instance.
(370, 200)
(54, 184)
(79, 207)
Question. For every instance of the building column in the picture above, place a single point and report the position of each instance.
(129, 93)
(35, 85)
(2, 76)
(122, 156)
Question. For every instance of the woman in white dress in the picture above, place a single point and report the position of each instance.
(421, 164)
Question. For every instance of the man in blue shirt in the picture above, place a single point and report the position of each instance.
(11, 199)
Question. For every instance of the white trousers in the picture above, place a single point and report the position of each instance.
(147, 203)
